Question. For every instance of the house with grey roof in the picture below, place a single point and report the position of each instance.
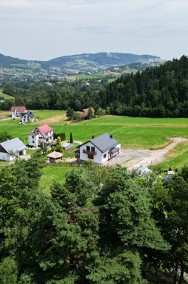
(11, 149)
(27, 116)
(100, 149)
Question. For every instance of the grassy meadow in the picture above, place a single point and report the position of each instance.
(131, 132)
(5, 96)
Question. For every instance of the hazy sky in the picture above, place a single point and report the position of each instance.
(45, 29)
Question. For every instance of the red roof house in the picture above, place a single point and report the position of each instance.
(41, 134)
(85, 112)
(17, 111)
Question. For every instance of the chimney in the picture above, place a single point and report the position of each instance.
(111, 136)
(92, 136)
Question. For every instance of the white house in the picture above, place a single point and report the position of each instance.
(17, 111)
(11, 149)
(27, 116)
(41, 134)
(100, 149)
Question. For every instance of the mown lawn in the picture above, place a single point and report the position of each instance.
(52, 173)
(131, 132)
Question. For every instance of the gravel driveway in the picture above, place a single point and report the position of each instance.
(133, 159)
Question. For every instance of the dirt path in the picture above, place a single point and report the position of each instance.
(133, 159)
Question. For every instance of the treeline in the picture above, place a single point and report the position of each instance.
(53, 94)
(156, 92)
(99, 226)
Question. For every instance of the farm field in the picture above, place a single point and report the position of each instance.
(131, 132)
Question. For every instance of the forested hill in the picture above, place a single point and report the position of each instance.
(157, 92)
(74, 64)
(99, 61)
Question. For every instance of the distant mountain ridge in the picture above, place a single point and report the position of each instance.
(74, 64)
(104, 58)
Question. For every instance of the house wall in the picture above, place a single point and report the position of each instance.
(96, 158)
(100, 157)
(33, 140)
(36, 140)
(48, 137)
(5, 157)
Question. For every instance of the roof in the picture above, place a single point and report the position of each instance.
(104, 142)
(13, 145)
(45, 128)
(28, 113)
(65, 144)
(19, 108)
(55, 155)
(85, 111)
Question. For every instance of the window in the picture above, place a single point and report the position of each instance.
(32, 137)
(93, 149)
(104, 156)
(88, 148)
(90, 156)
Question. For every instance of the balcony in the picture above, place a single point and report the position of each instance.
(89, 152)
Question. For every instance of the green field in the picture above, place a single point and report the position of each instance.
(5, 96)
(131, 132)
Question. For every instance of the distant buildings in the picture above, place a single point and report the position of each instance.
(87, 113)
(17, 111)
(22, 113)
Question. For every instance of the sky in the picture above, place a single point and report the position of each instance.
(46, 29)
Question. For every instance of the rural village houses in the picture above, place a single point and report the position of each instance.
(17, 111)
(27, 116)
(22, 113)
(11, 149)
(41, 134)
(99, 149)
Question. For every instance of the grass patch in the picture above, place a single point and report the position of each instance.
(52, 173)
(176, 158)
(5, 96)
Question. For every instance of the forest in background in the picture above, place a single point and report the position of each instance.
(156, 92)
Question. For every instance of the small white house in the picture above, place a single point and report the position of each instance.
(100, 149)
(27, 116)
(11, 149)
(41, 134)
(17, 111)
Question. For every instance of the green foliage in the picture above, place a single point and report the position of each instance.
(5, 136)
(99, 226)
(8, 271)
(71, 138)
(124, 268)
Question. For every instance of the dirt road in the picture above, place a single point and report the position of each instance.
(133, 159)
